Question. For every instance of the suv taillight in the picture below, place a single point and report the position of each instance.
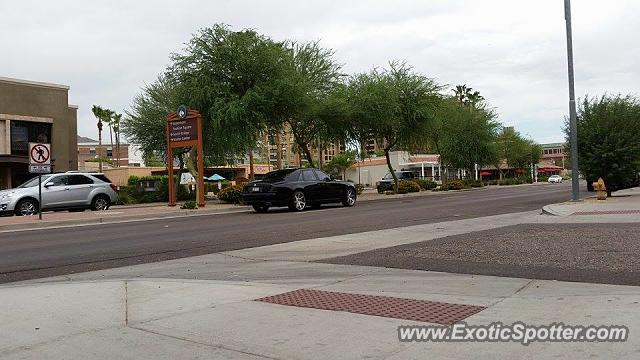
(115, 188)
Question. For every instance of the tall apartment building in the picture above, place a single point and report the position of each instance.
(290, 155)
(35, 112)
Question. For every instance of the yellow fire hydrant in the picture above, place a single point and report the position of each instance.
(601, 190)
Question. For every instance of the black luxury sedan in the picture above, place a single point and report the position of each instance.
(297, 189)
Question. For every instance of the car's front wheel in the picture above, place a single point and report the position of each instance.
(261, 208)
(298, 201)
(100, 202)
(349, 197)
(26, 207)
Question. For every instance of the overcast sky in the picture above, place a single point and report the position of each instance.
(513, 52)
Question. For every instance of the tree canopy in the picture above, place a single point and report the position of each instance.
(609, 139)
(246, 84)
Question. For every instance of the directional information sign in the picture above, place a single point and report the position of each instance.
(39, 158)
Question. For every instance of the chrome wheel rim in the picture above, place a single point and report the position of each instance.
(27, 208)
(299, 201)
(351, 197)
(101, 204)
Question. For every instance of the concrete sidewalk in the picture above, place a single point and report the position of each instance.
(623, 202)
(204, 307)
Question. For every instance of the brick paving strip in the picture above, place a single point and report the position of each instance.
(384, 306)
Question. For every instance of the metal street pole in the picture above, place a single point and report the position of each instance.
(39, 196)
(573, 128)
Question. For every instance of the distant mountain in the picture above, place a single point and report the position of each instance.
(82, 139)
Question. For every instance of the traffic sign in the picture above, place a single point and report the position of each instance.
(40, 169)
(39, 154)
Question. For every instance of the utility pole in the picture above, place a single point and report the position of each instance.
(573, 127)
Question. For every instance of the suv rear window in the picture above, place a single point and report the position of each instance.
(102, 177)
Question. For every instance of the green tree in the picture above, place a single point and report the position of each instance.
(609, 140)
(466, 95)
(339, 164)
(397, 105)
(224, 74)
(515, 150)
(467, 136)
(302, 95)
(145, 122)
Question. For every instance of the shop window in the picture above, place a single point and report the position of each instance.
(24, 132)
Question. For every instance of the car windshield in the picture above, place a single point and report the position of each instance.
(389, 176)
(34, 182)
(277, 175)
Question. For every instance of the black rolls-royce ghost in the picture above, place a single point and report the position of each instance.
(297, 189)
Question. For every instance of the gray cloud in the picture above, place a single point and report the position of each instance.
(512, 51)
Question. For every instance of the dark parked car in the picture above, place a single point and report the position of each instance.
(387, 181)
(297, 189)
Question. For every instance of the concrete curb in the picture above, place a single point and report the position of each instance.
(547, 210)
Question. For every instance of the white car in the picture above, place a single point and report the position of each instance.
(555, 179)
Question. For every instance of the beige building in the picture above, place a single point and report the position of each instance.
(33, 111)
(116, 156)
(289, 154)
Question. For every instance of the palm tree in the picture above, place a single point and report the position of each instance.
(99, 113)
(115, 122)
(475, 98)
(466, 95)
(462, 93)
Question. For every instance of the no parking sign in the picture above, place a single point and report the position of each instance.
(39, 158)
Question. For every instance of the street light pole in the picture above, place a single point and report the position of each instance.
(573, 128)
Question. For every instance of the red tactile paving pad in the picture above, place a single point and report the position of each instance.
(385, 306)
(609, 212)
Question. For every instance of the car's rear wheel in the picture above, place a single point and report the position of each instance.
(100, 202)
(26, 207)
(298, 201)
(261, 208)
(349, 197)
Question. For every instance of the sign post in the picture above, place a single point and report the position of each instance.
(184, 129)
(39, 163)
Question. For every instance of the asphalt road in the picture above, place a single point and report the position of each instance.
(594, 253)
(41, 253)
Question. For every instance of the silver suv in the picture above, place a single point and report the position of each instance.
(65, 191)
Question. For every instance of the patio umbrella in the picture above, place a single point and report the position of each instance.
(215, 177)
(218, 178)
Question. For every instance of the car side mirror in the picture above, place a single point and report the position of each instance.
(48, 184)
(327, 179)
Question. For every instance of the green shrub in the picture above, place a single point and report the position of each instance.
(452, 185)
(359, 189)
(544, 178)
(125, 197)
(189, 205)
(133, 180)
(426, 184)
(408, 186)
(231, 194)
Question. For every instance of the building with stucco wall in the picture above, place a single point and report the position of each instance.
(33, 111)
